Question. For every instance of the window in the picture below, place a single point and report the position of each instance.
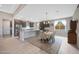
(31, 24)
(60, 25)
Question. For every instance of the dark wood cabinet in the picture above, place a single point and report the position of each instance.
(73, 25)
(72, 35)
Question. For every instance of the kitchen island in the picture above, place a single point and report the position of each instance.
(27, 33)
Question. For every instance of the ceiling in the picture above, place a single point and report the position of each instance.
(37, 12)
(8, 8)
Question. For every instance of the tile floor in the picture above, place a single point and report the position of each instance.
(68, 48)
(12, 46)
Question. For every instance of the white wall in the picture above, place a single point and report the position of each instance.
(6, 17)
(0, 27)
(6, 27)
(76, 16)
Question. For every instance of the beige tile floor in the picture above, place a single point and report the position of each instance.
(12, 45)
(68, 48)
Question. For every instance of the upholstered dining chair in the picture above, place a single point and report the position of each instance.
(46, 36)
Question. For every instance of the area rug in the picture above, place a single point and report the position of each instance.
(50, 48)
